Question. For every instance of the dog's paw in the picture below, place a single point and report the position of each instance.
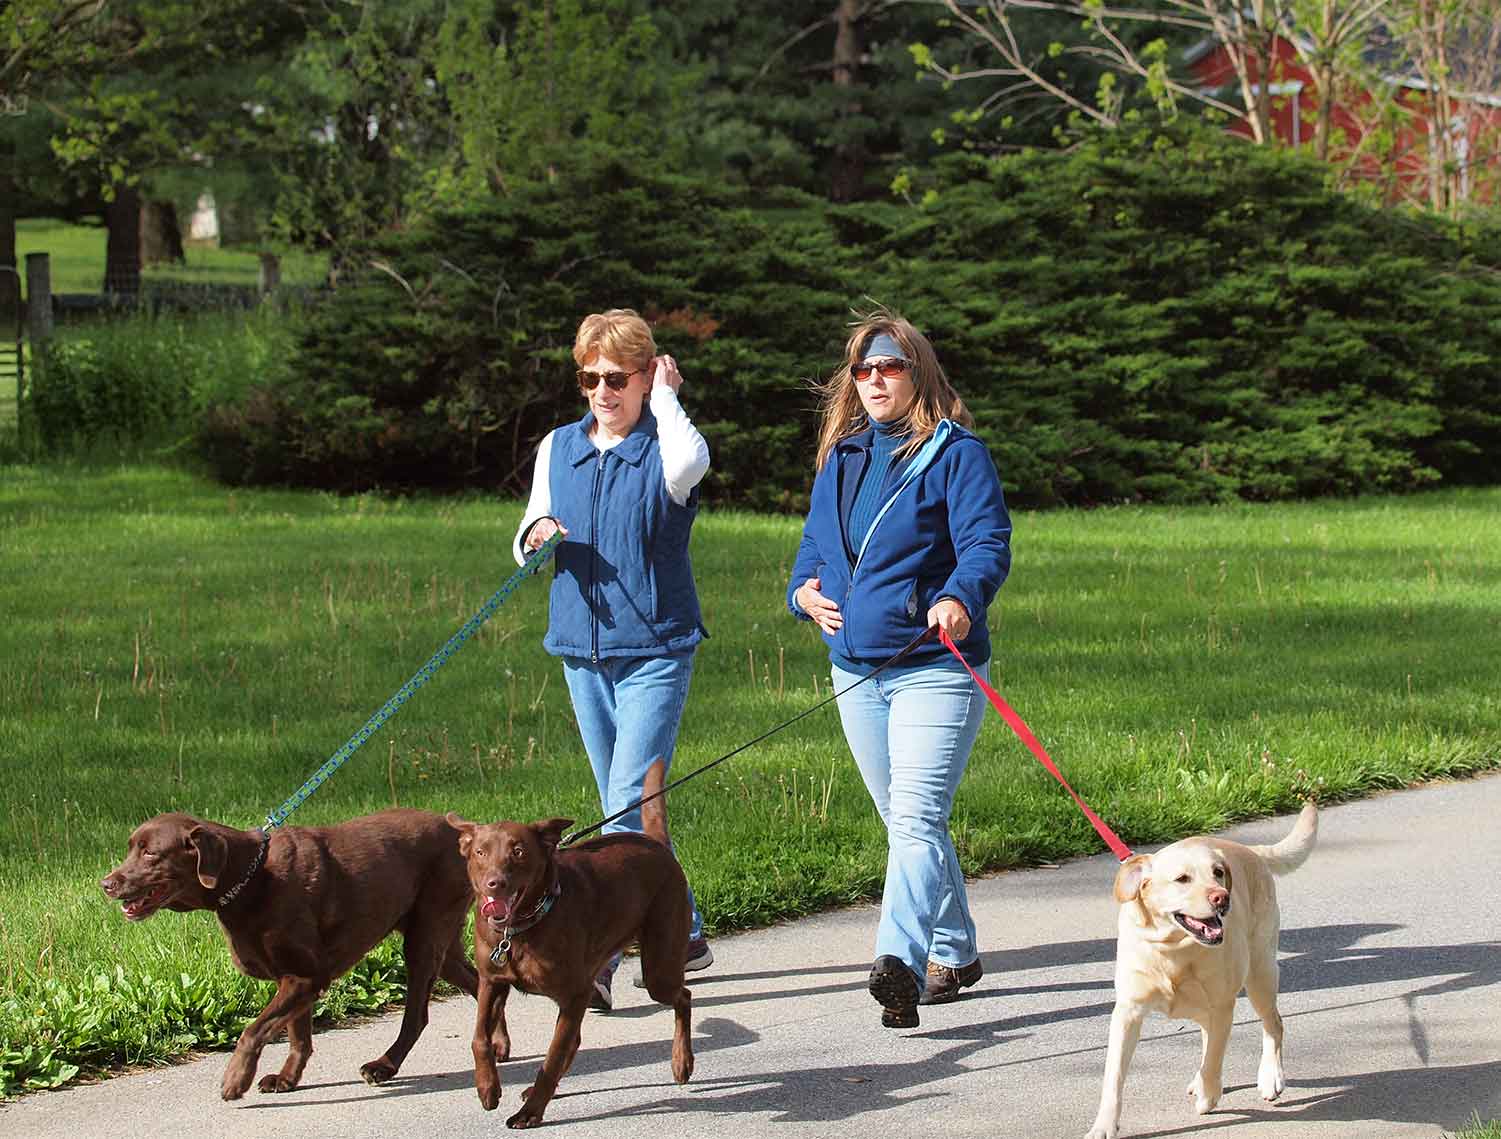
(501, 1043)
(526, 1117)
(1270, 1082)
(377, 1072)
(276, 1083)
(489, 1092)
(237, 1080)
(1099, 1132)
(1205, 1097)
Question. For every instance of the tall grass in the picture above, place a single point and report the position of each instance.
(137, 386)
(169, 644)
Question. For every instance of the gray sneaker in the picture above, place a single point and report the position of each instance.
(700, 956)
(600, 1000)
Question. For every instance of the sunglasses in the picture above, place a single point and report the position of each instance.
(615, 380)
(889, 369)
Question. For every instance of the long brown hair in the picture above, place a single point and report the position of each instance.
(840, 412)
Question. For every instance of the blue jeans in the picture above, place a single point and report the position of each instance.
(628, 709)
(911, 730)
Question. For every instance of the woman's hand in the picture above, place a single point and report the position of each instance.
(543, 529)
(665, 373)
(950, 616)
(823, 611)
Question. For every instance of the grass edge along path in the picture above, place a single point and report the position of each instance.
(172, 644)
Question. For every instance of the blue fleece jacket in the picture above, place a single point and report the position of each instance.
(944, 532)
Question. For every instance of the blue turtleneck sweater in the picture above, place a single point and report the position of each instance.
(871, 492)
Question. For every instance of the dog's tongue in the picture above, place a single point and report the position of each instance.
(495, 908)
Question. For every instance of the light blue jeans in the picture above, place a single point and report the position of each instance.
(911, 730)
(628, 709)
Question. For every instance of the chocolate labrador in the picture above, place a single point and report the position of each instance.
(548, 920)
(303, 908)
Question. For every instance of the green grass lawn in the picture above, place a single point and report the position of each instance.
(77, 259)
(171, 644)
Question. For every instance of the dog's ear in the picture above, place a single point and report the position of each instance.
(550, 832)
(466, 832)
(1129, 877)
(213, 853)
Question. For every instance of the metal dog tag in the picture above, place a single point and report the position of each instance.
(499, 954)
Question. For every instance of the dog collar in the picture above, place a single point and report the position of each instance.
(260, 857)
(502, 951)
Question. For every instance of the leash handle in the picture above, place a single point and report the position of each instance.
(279, 816)
(1024, 733)
(570, 839)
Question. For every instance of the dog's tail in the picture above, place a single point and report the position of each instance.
(1287, 855)
(654, 813)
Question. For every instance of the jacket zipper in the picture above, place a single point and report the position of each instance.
(599, 474)
(925, 457)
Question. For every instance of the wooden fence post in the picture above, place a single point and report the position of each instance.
(38, 299)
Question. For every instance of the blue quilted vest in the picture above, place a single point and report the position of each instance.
(622, 583)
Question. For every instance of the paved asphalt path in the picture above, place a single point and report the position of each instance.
(1391, 990)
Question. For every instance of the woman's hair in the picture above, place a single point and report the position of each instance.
(842, 414)
(618, 333)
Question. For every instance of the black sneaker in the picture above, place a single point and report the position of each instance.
(944, 981)
(896, 987)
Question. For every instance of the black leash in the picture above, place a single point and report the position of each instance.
(926, 634)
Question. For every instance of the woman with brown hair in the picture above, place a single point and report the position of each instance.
(907, 528)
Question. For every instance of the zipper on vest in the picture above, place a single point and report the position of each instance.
(599, 476)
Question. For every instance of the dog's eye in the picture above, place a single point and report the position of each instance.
(1182, 879)
(518, 854)
(1219, 873)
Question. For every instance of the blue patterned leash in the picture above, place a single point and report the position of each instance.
(279, 816)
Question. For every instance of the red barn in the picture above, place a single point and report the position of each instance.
(1379, 135)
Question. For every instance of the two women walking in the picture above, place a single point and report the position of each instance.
(907, 529)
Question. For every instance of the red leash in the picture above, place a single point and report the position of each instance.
(1024, 733)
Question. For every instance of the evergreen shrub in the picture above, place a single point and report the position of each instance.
(1158, 314)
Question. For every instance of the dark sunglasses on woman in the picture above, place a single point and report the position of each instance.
(615, 380)
(889, 369)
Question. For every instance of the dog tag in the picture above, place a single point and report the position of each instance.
(499, 954)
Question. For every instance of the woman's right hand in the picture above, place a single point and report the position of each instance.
(542, 530)
(823, 611)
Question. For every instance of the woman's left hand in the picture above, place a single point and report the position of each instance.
(950, 616)
(665, 373)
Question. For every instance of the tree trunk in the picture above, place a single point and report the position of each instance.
(10, 283)
(161, 237)
(848, 176)
(122, 251)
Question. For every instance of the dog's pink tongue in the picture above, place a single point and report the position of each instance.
(495, 908)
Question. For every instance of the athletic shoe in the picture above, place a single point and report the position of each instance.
(700, 956)
(600, 1000)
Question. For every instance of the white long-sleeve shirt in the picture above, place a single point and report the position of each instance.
(685, 461)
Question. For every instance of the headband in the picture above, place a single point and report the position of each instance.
(882, 345)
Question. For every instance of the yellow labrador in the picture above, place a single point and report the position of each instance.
(1198, 923)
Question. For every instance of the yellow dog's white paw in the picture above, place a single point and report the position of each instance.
(1103, 1131)
(1270, 1083)
(1204, 1096)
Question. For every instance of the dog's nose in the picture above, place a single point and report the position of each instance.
(107, 884)
(1219, 899)
(492, 886)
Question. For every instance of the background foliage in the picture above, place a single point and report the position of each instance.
(1153, 316)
